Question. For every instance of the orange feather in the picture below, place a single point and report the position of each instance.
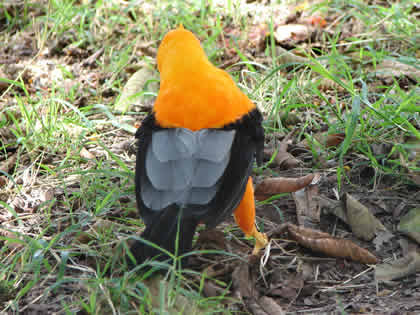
(193, 93)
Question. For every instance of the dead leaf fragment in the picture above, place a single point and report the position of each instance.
(323, 242)
(3, 84)
(242, 281)
(47, 194)
(86, 154)
(8, 165)
(334, 207)
(284, 57)
(181, 305)
(3, 181)
(282, 158)
(100, 226)
(389, 68)
(307, 207)
(362, 222)
(410, 224)
(292, 33)
(132, 92)
(382, 239)
(270, 306)
(399, 268)
(325, 84)
(277, 185)
(325, 139)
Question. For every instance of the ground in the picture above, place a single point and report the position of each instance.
(338, 87)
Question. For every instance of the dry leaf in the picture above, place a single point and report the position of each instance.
(211, 238)
(270, 306)
(181, 305)
(8, 165)
(283, 159)
(132, 90)
(289, 119)
(92, 59)
(405, 266)
(412, 162)
(98, 227)
(277, 185)
(3, 85)
(326, 84)
(3, 181)
(325, 139)
(307, 207)
(242, 281)
(410, 224)
(292, 33)
(382, 238)
(284, 57)
(362, 222)
(47, 195)
(325, 243)
(389, 68)
(288, 288)
(334, 207)
(86, 154)
(257, 35)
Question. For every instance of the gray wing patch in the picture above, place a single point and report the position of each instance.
(184, 167)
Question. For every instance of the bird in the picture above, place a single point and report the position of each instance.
(195, 152)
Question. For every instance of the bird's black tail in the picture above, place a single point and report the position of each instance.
(165, 231)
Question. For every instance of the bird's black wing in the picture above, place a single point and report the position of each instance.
(201, 174)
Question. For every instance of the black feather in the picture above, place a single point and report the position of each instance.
(162, 225)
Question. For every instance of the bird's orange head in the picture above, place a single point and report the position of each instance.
(178, 49)
(193, 93)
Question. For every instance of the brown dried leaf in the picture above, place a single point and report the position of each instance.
(98, 227)
(334, 207)
(307, 207)
(257, 36)
(243, 283)
(86, 154)
(288, 288)
(323, 242)
(285, 56)
(382, 239)
(282, 159)
(210, 289)
(47, 195)
(12, 240)
(211, 238)
(135, 85)
(270, 306)
(255, 308)
(181, 305)
(8, 165)
(412, 162)
(399, 268)
(277, 185)
(292, 33)
(389, 68)
(325, 139)
(410, 224)
(91, 61)
(325, 84)
(3, 84)
(362, 222)
(3, 181)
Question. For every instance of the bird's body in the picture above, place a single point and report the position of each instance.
(195, 151)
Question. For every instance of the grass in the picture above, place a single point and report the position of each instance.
(67, 216)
